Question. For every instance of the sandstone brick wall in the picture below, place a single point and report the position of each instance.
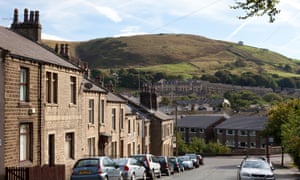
(1, 114)
(64, 117)
(16, 112)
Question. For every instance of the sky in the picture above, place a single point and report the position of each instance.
(82, 20)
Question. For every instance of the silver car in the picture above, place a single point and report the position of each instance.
(131, 168)
(186, 162)
(255, 168)
(96, 168)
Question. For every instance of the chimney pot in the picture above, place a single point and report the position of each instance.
(31, 17)
(56, 48)
(25, 15)
(62, 49)
(37, 17)
(66, 53)
(15, 16)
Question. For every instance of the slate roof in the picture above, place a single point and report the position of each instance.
(244, 122)
(20, 46)
(89, 85)
(133, 101)
(200, 121)
(114, 98)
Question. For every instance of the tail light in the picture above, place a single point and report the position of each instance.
(166, 165)
(147, 163)
(177, 165)
(126, 168)
(72, 171)
(99, 170)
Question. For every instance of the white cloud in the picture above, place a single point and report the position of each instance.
(52, 37)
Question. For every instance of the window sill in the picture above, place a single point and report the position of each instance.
(51, 105)
(72, 105)
(90, 125)
(23, 104)
(25, 163)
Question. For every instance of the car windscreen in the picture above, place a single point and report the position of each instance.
(87, 163)
(255, 164)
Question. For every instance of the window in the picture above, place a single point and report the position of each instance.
(181, 129)
(69, 145)
(91, 111)
(113, 118)
(229, 132)
(129, 127)
(252, 133)
(102, 111)
(138, 129)
(193, 130)
(25, 133)
(220, 131)
(24, 84)
(51, 87)
(242, 133)
(121, 118)
(91, 146)
(73, 89)
(114, 149)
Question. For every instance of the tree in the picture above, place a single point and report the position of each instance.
(258, 8)
(284, 126)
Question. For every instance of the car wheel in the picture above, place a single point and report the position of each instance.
(144, 176)
(152, 175)
(133, 177)
(168, 172)
(159, 174)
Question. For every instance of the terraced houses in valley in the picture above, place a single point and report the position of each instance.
(52, 113)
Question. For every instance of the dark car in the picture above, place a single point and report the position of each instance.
(96, 168)
(166, 166)
(178, 166)
(194, 158)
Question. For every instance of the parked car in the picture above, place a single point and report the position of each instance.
(200, 159)
(178, 166)
(96, 168)
(152, 168)
(131, 168)
(186, 162)
(166, 166)
(194, 158)
(255, 168)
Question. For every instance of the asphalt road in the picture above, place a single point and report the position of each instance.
(225, 168)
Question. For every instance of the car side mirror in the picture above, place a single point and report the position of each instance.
(238, 166)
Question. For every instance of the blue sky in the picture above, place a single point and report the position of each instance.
(81, 20)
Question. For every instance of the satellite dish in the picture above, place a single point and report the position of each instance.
(88, 85)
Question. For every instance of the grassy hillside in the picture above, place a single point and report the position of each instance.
(187, 55)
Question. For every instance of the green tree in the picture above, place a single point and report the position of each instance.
(258, 8)
(197, 145)
(291, 136)
(284, 126)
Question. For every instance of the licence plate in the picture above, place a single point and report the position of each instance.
(84, 172)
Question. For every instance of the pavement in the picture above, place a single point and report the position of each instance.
(284, 169)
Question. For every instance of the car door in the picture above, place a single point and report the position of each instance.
(110, 169)
(138, 168)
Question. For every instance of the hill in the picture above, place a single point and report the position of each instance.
(187, 55)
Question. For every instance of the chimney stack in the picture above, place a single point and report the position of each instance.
(30, 28)
(148, 97)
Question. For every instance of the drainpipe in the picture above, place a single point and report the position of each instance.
(40, 113)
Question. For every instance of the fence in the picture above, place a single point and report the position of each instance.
(56, 172)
